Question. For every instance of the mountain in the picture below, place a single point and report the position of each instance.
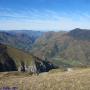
(22, 39)
(81, 34)
(66, 49)
(13, 59)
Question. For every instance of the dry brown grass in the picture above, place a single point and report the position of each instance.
(74, 80)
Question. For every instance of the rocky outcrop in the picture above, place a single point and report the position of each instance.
(39, 66)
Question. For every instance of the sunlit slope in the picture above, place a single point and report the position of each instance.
(13, 59)
(74, 80)
(19, 56)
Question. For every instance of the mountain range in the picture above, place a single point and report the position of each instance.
(63, 48)
(22, 39)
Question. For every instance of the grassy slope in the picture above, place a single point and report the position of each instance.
(74, 80)
(19, 56)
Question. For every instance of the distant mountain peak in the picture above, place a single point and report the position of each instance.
(82, 34)
(79, 29)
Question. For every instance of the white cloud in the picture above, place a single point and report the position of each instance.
(42, 20)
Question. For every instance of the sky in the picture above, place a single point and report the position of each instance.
(44, 14)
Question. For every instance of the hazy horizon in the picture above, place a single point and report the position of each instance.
(42, 30)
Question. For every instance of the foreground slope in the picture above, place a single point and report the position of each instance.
(75, 80)
(8, 54)
(13, 59)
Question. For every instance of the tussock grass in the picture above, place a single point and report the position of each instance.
(75, 80)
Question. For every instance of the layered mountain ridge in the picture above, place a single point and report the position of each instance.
(65, 49)
(22, 39)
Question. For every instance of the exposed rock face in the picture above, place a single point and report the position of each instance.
(38, 66)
